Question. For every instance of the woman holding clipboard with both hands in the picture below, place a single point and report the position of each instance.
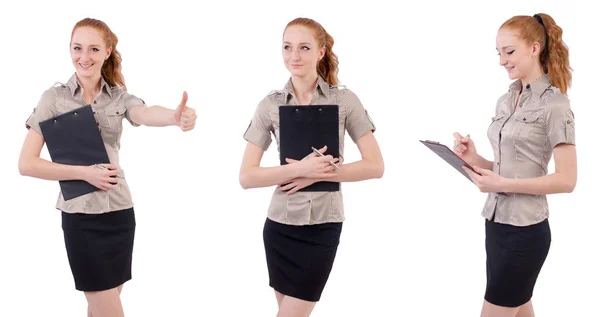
(532, 123)
(302, 229)
(98, 227)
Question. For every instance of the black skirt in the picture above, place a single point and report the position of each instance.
(300, 258)
(99, 247)
(515, 256)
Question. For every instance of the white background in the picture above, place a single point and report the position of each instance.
(413, 242)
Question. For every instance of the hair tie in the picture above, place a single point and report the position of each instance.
(539, 19)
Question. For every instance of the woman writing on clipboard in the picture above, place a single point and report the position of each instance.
(533, 122)
(302, 229)
(98, 227)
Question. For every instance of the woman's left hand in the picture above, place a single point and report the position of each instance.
(185, 117)
(297, 184)
(488, 181)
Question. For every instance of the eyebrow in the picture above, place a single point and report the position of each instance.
(505, 47)
(303, 43)
(93, 45)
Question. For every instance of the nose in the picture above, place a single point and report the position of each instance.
(295, 55)
(503, 60)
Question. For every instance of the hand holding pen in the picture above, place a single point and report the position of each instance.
(316, 165)
(103, 176)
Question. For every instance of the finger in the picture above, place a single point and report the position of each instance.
(329, 169)
(289, 160)
(110, 180)
(182, 104)
(109, 166)
(457, 136)
(111, 173)
(293, 190)
(109, 186)
(288, 186)
(326, 158)
(323, 149)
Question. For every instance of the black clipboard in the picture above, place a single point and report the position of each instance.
(73, 138)
(304, 127)
(451, 158)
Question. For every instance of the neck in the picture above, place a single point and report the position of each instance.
(90, 85)
(304, 87)
(536, 73)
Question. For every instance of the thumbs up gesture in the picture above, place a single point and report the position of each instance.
(185, 117)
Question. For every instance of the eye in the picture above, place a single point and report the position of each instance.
(510, 53)
(286, 47)
(76, 48)
(305, 48)
(95, 49)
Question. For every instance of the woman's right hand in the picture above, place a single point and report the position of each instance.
(100, 178)
(315, 166)
(464, 148)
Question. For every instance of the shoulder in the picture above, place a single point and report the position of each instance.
(555, 98)
(344, 92)
(272, 99)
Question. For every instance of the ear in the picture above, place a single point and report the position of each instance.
(108, 52)
(322, 52)
(536, 48)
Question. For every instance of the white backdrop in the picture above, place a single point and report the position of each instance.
(413, 242)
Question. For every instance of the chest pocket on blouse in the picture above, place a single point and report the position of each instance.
(495, 127)
(529, 127)
(110, 121)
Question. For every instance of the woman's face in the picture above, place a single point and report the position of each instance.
(88, 52)
(301, 52)
(516, 56)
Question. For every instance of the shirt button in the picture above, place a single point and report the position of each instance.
(524, 119)
(94, 101)
(528, 86)
(498, 163)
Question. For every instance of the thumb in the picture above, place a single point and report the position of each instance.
(289, 160)
(181, 106)
(323, 149)
(457, 136)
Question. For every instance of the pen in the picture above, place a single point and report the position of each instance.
(321, 155)
(104, 168)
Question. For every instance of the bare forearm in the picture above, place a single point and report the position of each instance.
(359, 171)
(155, 116)
(255, 177)
(543, 185)
(43, 169)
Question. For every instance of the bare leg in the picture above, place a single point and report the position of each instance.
(104, 303)
(119, 289)
(294, 307)
(279, 297)
(491, 310)
(526, 310)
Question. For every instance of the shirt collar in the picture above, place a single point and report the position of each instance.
(538, 86)
(73, 84)
(322, 88)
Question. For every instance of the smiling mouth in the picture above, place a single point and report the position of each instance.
(508, 69)
(86, 65)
